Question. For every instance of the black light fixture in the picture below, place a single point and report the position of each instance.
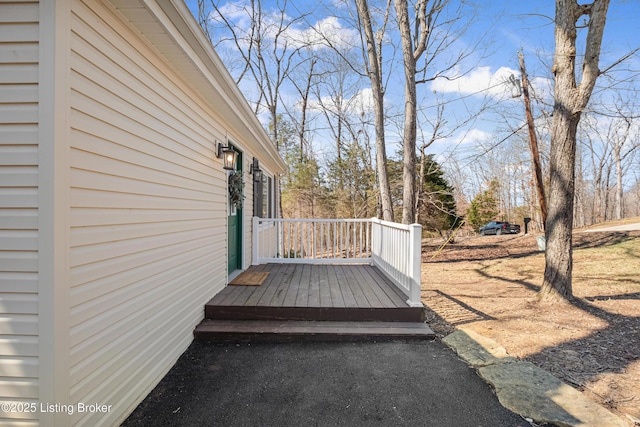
(255, 170)
(228, 155)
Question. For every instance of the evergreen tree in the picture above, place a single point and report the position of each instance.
(436, 206)
(484, 207)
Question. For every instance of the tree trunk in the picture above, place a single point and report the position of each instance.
(375, 76)
(570, 99)
(558, 233)
(579, 218)
(420, 184)
(410, 115)
(619, 191)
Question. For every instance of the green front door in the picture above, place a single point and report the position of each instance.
(234, 230)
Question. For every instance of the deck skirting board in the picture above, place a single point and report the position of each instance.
(407, 314)
(255, 331)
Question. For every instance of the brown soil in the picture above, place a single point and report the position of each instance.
(488, 284)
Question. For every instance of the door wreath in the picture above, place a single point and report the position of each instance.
(236, 189)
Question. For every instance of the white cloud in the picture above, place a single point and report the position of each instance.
(328, 30)
(542, 87)
(360, 102)
(232, 12)
(473, 136)
(462, 142)
(480, 81)
(483, 82)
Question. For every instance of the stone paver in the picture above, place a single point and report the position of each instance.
(526, 389)
(476, 349)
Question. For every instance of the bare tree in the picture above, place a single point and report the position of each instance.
(268, 52)
(623, 149)
(337, 96)
(598, 149)
(571, 98)
(410, 54)
(373, 65)
(420, 47)
(303, 86)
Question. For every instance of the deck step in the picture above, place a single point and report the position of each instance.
(336, 314)
(285, 331)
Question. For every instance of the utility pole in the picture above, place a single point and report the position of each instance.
(533, 143)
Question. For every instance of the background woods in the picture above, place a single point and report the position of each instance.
(408, 110)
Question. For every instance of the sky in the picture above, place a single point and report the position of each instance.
(500, 29)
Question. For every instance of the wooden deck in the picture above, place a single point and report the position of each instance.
(315, 292)
(307, 302)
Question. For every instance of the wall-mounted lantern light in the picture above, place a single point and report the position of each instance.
(228, 155)
(254, 170)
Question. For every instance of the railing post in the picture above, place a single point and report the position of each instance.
(415, 259)
(256, 242)
(375, 240)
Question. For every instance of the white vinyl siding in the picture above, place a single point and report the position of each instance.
(18, 208)
(147, 217)
(113, 206)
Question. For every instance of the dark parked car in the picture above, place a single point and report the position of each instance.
(499, 227)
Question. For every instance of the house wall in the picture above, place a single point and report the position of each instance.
(19, 40)
(113, 208)
(147, 213)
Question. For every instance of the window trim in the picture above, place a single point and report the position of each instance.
(265, 184)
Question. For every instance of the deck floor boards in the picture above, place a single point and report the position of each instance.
(337, 299)
(307, 285)
(285, 275)
(321, 295)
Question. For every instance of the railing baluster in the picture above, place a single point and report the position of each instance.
(345, 225)
(353, 242)
(340, 241)
(304, 248)
(347, 243)
(320, 237)
(347, 233)
(300, 239)
(334, 247)
(292, 239)
(360, 243)
(289, 240)
(310, 238)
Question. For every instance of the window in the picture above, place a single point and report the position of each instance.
(263, 197)
(267, 204)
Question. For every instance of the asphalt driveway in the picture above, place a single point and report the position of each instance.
(322, 384)
(623, 227)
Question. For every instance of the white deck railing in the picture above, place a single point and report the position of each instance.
(397, 251)
(393, 248)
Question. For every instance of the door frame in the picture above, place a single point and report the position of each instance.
(239, 234)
